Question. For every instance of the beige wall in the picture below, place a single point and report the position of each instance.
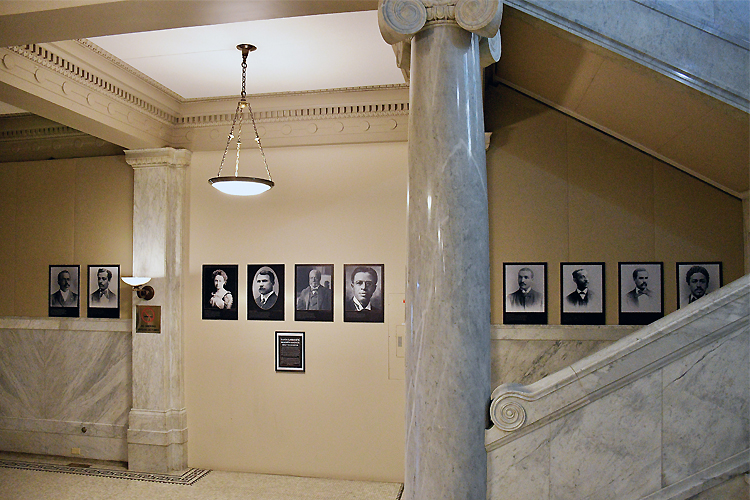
(59, 212)
(562, 191)
(344, 416)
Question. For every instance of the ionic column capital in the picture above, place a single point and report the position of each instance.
(401, 19)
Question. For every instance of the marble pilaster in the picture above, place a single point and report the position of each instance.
(157, 424)
(447, 291)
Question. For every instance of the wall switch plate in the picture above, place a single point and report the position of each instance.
(75, 451)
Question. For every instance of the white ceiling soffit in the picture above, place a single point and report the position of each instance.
(294, 54)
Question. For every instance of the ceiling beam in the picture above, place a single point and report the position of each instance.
(22, 26)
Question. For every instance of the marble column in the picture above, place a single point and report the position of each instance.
(448, 286)
(157, 423)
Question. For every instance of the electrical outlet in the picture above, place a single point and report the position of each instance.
(75, 451)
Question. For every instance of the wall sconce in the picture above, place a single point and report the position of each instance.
(143, 291)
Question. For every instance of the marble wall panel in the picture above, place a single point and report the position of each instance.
(706, 407)
(520, 469)
(609, 448)
(527, 361)
(21, 376)
(58, 377)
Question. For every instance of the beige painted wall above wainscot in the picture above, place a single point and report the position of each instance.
(60, 212)
(561, 191)
(343, 417)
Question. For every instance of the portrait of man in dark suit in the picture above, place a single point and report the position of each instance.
(64, 296)
(363, 293)
(316, 296)
(582, 296)
(696, 280)
(526, 297)
(641, 287)
(641, 296)
(103, 296)
(265, 278)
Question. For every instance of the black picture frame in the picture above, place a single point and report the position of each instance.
(290, 352)
(58, 306)
(103, 303)
(220, 306)
(264, 275)
(586, 308)
(684, 289)
(303, 295)
(374, 311)
(644, 308)
(520, 308)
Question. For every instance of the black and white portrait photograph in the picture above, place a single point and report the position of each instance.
(363, 293)
(641, 286)
(525, 292)
(313, 292)
(265, 300)
(220, 291)
(290, 351)
(582, 293)
(64, 289)
(696, 279)
(103, 297)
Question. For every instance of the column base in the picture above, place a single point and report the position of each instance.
(157, 441)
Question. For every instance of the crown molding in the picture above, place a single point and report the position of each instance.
(81, 86)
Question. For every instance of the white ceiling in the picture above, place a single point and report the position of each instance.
(294, 54)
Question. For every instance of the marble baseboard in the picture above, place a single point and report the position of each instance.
(43, 443)
(153, 458)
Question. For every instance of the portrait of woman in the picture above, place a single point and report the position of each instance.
(221, 298)
(220, 291)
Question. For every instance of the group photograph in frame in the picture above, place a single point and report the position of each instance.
(64, 291)
(290, 351)
(697, 279)
(582, 293)
(525, 293)
(265, 300)
(313, 292)
(220, 291)
(364, 289)
(641, 290)
(103, 300)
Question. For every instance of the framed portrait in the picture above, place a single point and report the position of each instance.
(525, 292)
(641, 289)
(582, 293)
(696, 279)
(290, 351)
(265, 299)
(103, 296)
(364, 289)
(220, 291)
(313, 292)
(64, 290)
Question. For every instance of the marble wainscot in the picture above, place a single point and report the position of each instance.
(663, 413)
(65, 384)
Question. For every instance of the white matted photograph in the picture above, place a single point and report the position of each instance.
(103, 299)
(64, 289)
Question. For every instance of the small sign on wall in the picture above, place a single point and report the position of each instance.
(148, 319)
(290, 351)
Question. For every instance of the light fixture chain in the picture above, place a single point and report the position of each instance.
(260, 146)
(239, 144)
(229, 139)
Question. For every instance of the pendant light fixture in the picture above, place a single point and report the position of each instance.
(236, 184)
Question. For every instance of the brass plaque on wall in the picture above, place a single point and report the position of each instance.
(148, 319)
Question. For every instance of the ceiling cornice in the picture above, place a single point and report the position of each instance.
(80, 85)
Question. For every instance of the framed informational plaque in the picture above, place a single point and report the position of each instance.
(290, 351)
(641, 286)
(697, 279)
(525, 291)
(63, 291)
(582, 293)
(103, 299)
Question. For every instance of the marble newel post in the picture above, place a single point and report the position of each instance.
(447, 292)
(157, 424)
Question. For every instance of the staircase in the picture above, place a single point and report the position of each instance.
(662, 414)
